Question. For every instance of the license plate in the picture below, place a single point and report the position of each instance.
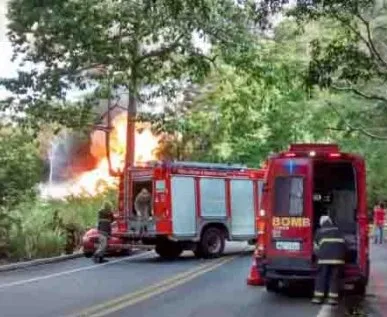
(288, 246)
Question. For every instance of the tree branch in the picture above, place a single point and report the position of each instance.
(370, 40)
(360, 93)
(367, 41)
(163, 50)
(353, 128)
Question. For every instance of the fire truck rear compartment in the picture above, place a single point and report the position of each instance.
(335, 194)
(138, 185)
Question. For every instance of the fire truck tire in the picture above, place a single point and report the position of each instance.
(198, 251)
(212, 243)
(168, 250)
(88, 254)
(271, 286)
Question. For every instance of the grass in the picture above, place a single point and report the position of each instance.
(36, 233)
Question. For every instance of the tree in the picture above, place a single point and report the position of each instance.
(20, 171)
(20, 167)
(135, 44)
(254, 102)
(349, 56)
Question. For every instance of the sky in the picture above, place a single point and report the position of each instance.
(7, 68)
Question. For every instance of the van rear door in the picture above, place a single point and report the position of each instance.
(290, 208)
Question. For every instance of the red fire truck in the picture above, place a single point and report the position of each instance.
(299, 184)
(195, 206)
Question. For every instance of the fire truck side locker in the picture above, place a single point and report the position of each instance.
(242, 208)
(183, 206)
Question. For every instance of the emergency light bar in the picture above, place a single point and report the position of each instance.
(318, 147)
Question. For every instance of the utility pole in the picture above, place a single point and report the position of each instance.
(130, 154)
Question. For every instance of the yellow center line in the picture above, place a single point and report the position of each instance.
(130, 299)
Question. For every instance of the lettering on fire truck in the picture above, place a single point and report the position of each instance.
(299, 222)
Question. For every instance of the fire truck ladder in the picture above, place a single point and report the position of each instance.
(201, 165)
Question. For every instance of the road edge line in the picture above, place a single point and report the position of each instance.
(26, 264)
(80, 269)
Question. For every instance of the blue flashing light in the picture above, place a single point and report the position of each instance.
(290, 166)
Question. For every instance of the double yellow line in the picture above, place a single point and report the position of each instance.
(130, 299)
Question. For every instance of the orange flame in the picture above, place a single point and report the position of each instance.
(98, 180)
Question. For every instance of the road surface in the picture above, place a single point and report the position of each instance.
(143, 285)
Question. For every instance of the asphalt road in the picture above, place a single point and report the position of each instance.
(143, 285)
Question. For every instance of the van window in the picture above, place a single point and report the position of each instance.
(289, 196)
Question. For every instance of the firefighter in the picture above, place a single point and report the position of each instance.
(143, 204)
(330, 250)
(105, 219)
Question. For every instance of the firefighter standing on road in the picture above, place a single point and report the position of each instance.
(105, 219)
(330, 250)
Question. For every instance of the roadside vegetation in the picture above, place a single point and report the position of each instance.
(318, 76)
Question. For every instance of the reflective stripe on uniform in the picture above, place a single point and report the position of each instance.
(332, 240)
(333, 295)
(330, 262)
(318, 294)
(324, 229)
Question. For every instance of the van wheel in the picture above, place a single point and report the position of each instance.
(360, 289)
(272, 286)
(168, 250)
(212, 243)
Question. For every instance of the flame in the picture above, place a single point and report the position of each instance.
(98, 180)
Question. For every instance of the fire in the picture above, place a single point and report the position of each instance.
(98, 180)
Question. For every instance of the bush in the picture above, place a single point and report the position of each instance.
(50, 228)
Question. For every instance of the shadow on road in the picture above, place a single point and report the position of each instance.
(350, 306)
(357, 307)
(188, 256)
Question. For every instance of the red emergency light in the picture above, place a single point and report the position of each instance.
(289, 154)
(333, 155)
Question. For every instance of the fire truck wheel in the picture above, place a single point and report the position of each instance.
(198, 251)
(88, 254)
(212, 243)
(168, 250)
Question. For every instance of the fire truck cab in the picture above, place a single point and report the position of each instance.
(195, 206)
(300, 185)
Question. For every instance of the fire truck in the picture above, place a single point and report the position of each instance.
(301, 184)
(195, 206)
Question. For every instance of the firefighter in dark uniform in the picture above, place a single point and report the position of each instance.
(105, 219)
(330, 251)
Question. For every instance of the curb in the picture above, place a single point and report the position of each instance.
(21, 265)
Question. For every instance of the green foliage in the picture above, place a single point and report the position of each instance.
(20, 166)
(253, 103)
(136, 44)
(43, 228)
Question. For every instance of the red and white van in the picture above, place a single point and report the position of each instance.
(299, 184)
